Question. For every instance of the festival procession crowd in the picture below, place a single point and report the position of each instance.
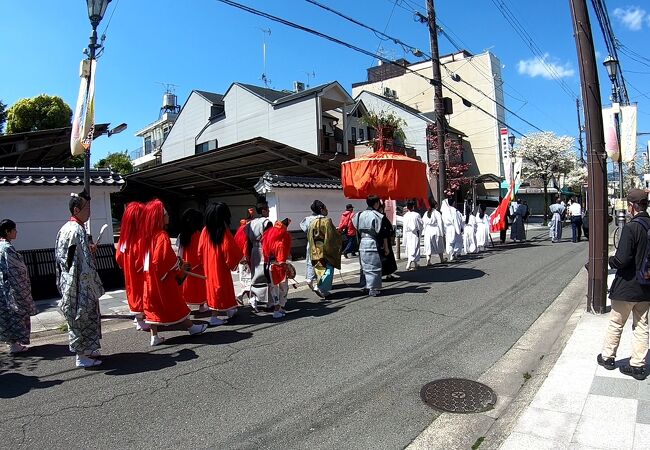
(162, 283)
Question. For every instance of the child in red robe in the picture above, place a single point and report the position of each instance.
(220, 255)
(276, 246)
(193, 288)
(129, 257)
(164, 307)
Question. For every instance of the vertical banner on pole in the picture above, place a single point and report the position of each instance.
(628, 132)
(505, 151)
(611, 139)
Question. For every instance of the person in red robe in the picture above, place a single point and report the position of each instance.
(129, 257)
(193, 288)
(276, 246)
(220, 255)
(164, 307)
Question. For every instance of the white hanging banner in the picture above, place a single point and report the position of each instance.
(628, 121)
(611, 140)
(505, 151)
(83, 121)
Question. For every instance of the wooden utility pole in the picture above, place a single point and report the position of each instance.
(596, 164)
(438, 104)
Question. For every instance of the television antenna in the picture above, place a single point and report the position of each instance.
(265, 78)
(310, 76)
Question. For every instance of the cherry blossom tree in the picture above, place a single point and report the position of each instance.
(455, 168)
(544, 154)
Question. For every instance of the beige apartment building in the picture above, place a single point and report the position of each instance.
(477, 78)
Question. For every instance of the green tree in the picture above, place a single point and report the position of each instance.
(75, 161)
(118, 161)
(43, 112)
(3, 115)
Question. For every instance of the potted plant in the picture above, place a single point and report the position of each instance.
(389, 128)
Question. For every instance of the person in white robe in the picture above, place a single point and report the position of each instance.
(555, 226)
(412, 232)
(79, 283)
(434, 234)
(482, 229)
(469, 234)
(259, 290)
(452, 223)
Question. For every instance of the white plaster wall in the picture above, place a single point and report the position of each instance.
(294, 203)
(39, 212)
(180, 141)
(247, 116)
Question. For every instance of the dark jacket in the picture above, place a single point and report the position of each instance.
(628, 258)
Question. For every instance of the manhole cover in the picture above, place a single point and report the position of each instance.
(457, 395)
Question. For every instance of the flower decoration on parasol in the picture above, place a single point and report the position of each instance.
(385, 174)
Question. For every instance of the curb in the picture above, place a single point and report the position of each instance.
(515, 377)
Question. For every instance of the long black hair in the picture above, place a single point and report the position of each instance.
(481, 208)
(191, 222)
(217, 221)
(432, 205)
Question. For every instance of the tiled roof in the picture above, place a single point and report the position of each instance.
(269, 180)
(277, 97)
(215, 99)
(57, 176)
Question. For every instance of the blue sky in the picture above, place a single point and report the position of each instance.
(206, 45)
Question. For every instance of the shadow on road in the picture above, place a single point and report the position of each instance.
(14, 384)
(213, 336)
(140, 362)
(439, 274)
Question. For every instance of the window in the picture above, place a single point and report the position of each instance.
(205, 146)
(354, 134)
(148, 147)
(361, 135)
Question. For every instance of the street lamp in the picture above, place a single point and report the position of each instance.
(611, 65)
(96, 10)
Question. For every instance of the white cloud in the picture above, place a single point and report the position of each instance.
(631, 17)
(543, 67)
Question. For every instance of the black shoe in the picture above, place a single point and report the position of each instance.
(635, 372)
(345, 255)
(609, 363)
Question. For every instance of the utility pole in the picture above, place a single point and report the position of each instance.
(582, 153)
(596, 164)
(437, 101)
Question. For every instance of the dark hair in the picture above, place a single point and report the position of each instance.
(317, 206)
(410, 204)
(217, 220)
(372, 200)
(451, 201)
(191, 222)
(481, 208)
(261, 206)
(432, 205)
(6, 225)
(349, 207)
(78, 201)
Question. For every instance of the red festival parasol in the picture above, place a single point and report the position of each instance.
(385, 174)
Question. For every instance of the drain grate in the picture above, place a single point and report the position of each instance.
(457, 395)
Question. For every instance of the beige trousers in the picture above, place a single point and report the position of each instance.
(618, 316)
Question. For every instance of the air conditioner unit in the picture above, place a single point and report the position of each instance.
(387, 92)
(393, 93)
(298, 86)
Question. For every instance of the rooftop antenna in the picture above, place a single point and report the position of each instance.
(264, 76)
(310, 75)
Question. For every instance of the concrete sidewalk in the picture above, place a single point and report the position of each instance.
(581, 405)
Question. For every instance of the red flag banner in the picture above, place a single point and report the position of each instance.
(498, 217)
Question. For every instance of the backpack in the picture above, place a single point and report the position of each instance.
(643, 272)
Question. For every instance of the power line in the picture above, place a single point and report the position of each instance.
(355, 48)
(532, 45)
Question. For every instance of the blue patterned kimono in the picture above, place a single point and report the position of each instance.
(80, 288)
(16, 304)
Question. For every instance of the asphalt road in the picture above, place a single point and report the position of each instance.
(342, 375)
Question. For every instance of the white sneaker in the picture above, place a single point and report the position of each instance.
(84, 361)
(141, 325)
(215, 321)
(374, 292)
(253, 302)
(278, 314)
(198, 328)
(157, 340)
(319, 293)
(203, 308)
(17, 347)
